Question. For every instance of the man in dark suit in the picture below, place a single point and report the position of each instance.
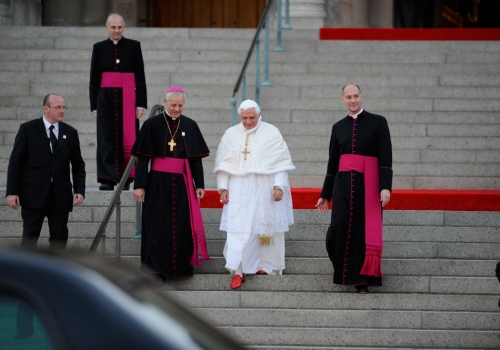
(118, 99)
(38, 176)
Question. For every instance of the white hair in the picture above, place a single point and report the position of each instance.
(175, 94)
(249, 104)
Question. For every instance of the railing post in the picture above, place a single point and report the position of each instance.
(103, 243)
(233, 103)
(257, 71)
(244, 88)
(266, 81)
(138, 221)
(118, 238)
(287, 15)
(278, 36)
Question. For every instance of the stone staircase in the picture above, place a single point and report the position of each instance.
(441, 101)
(440, 98)
(439, 287)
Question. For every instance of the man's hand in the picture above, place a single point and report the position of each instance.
(200, 193)
(139, 195)
(95, 115)
(139, 113)
(224, 197)
(322, 205)
(13, 201)
(78, 199)
(385, 197)
(277, 194)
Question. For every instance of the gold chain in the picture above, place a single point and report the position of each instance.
(170, 131)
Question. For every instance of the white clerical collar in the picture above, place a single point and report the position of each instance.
(47, 124)
(356, 115)
(254, 128)
(115, 41)
(170, 115)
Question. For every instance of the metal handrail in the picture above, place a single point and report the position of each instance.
(115, 201)
(111, 206)
(249, 53)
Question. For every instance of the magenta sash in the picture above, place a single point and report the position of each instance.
(125, 81)
(181, 166)
(373, 212)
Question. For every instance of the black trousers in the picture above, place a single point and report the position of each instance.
(33, 221)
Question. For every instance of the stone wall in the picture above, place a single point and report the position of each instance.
(20, 12)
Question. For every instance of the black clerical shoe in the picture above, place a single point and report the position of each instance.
(363, 289)
(107, 187)
(160, 280)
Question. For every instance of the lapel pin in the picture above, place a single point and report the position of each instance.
(64, 136)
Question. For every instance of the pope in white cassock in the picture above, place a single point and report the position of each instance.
(252, 165)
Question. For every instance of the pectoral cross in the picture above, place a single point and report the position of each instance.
(246, 151)
(171, 144)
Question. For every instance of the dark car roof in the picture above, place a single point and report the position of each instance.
(92, 302)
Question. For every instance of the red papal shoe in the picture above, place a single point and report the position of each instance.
(237, 281)
(261, 272)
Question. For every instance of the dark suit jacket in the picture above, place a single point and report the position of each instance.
(32, 165)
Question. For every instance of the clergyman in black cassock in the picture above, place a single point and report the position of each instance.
(117, 55)
(167, 235)
(359, 134)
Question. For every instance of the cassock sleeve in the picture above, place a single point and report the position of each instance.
(95, 78)
(332, 168)
(497, 271)
(196, 147)
(222, 180)
(281, 180)
(143, 145)
(384, 155)
(77, 166)
(197, 171)
(143, 150)
(140, 79)
(141, 172)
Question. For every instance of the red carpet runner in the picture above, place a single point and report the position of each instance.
(409, 34)
(452, 200)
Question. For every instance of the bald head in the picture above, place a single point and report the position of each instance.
(352, 98)
(115, 25)
(351, 86)
(115, 17)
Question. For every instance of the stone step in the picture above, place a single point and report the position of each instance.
(307, 337)
(487, 170)
(334, 300)
(300, 156)
(282, 77)
(379, 319)
(391, 266)
(323, 283)
(84, 221)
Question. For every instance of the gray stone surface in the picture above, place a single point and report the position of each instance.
(464, 285)
(461, 320)
(337, 300)
(356, 337)
(441, 102)
(311, 318)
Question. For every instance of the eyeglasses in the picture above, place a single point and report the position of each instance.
(59, 108)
